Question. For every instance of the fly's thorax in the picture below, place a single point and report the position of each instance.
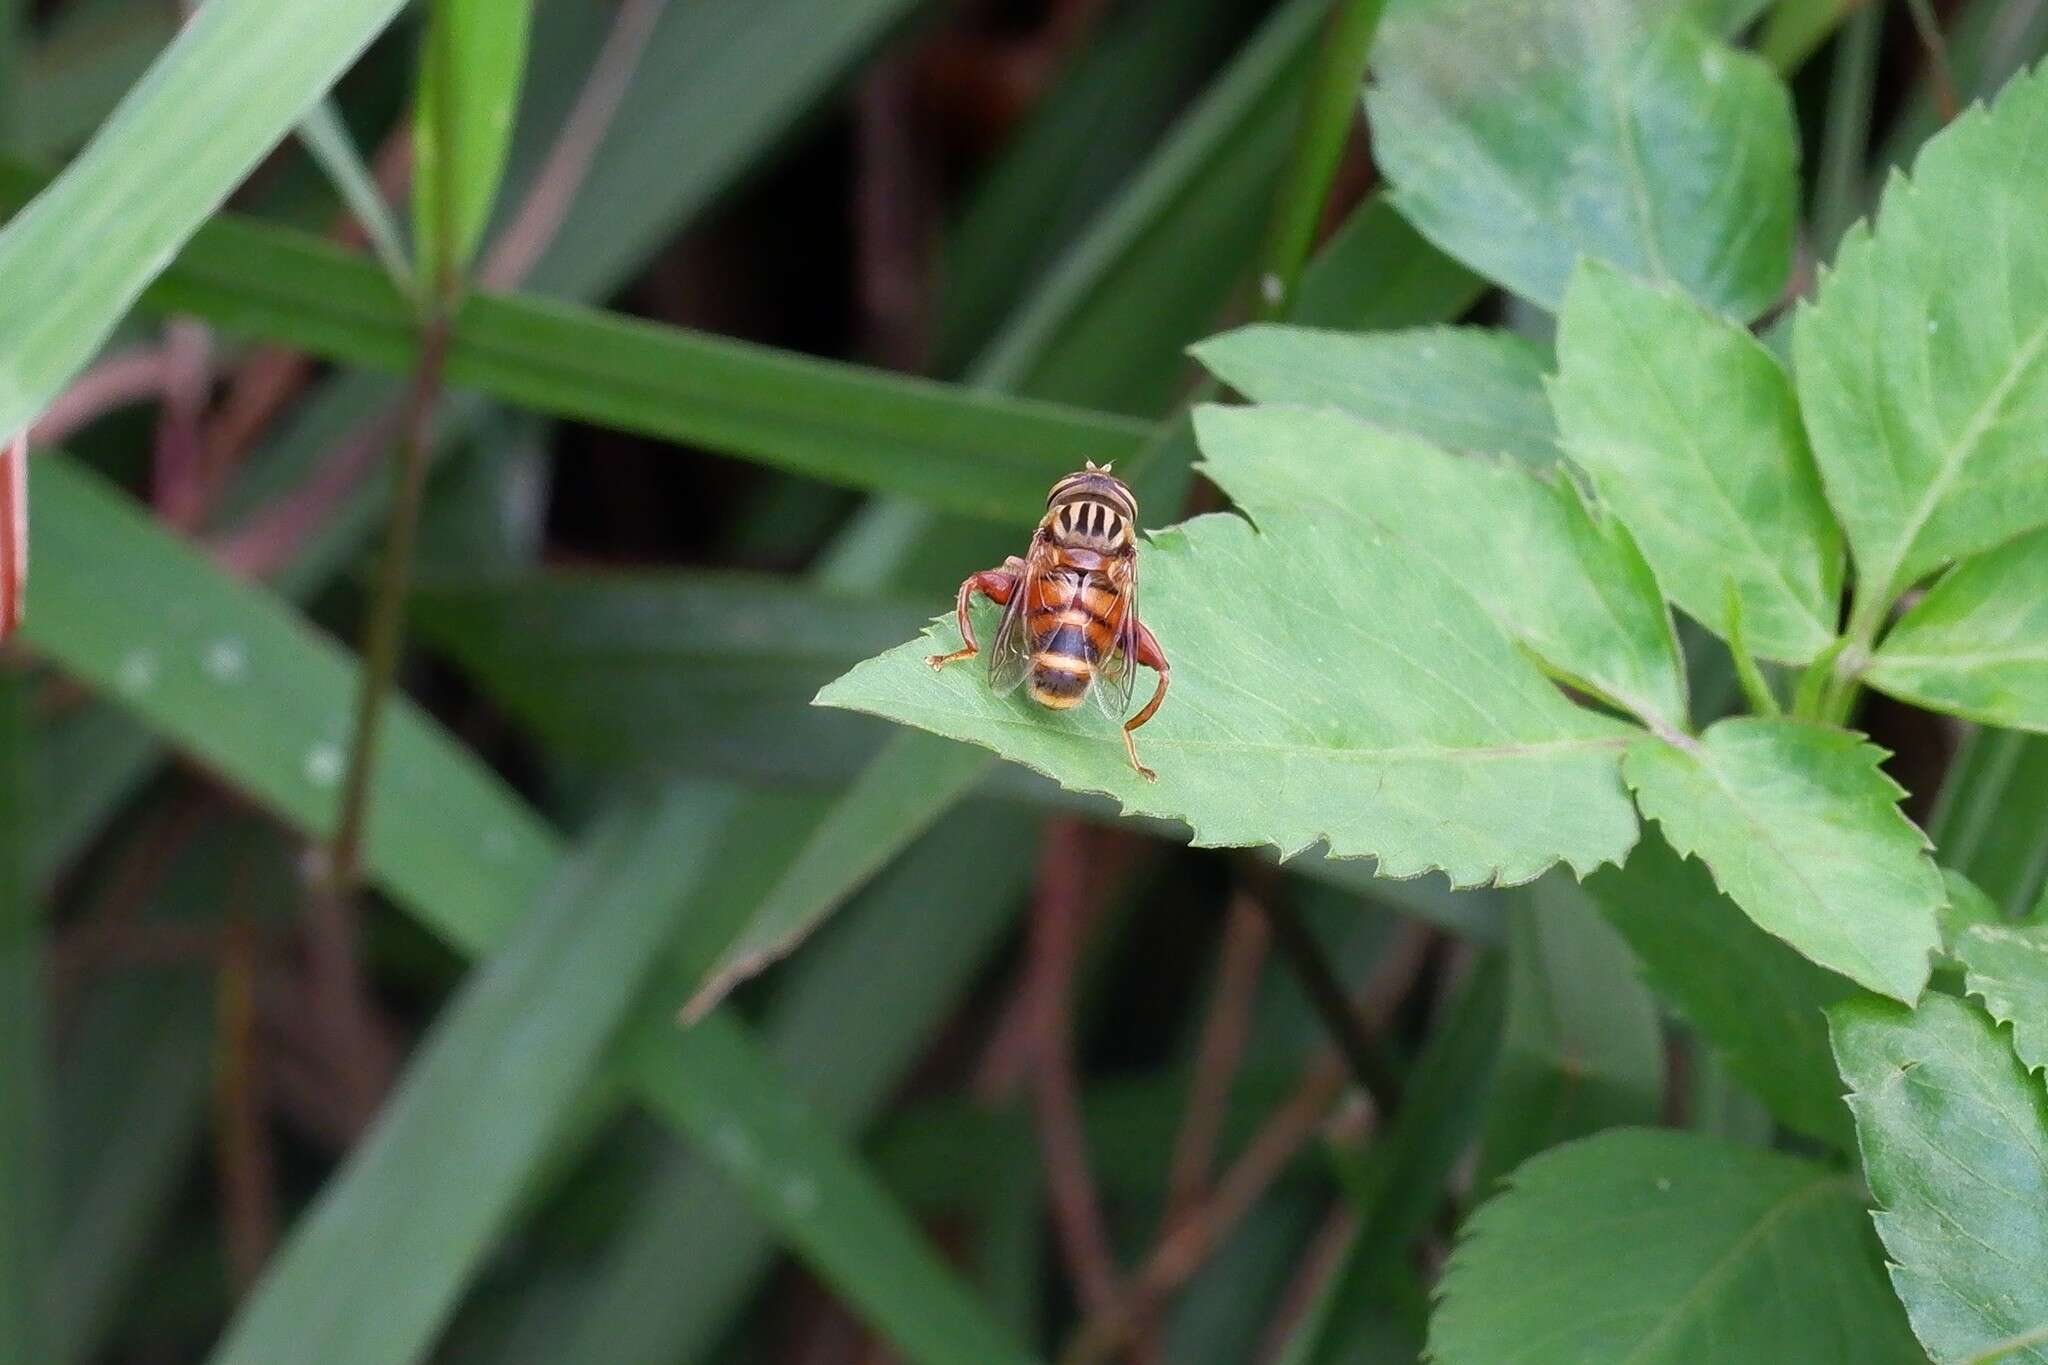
(1089, 524)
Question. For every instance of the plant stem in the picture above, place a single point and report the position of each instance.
(1328, 111)
(1361, 1050)
(1755, 686)
(385, 631)
(1940, 78)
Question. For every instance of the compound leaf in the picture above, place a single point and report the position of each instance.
(1665, 1248)
(1802, 830)
(1521, 135)
(1955, 1145)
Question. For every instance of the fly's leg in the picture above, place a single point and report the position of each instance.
(1145, 650)
(998, 586)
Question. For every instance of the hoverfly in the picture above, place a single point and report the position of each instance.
(1070, 607)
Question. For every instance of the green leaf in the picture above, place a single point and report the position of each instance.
(1208, 191)
(1802, 829)
(151, 623)
(1376, 272)
(683, 668)
(1690, 431)
(1923, 359)
(1404, 1173)
(1571, 588)
(1986, 821)
(979, 454)
(471, 60)
(671, 1282)
(131, 1108)
(1758, 1003)
(1469, 389)
(1977, 645)
(328, 141)
(957, 450)
(1651, 1247)
(716, 91)
(372, 1271)
(913, 781)
(24, 1179)
(798, 1174)
(1583, 1049)
(2006, 966)
(456, 849)
(1522, 134)
(239, 75)
(1954, 1132)
(1386, 712)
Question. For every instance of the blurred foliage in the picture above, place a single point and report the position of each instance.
(767, 320)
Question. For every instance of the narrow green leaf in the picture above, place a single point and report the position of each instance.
(717, 89)
(1954, 1132)
(1754, 1000)
(24, 1181)
(1923, 359)
(1376, 272)
(913, 781)
(1079, 148)
(328, 142)
(373, 1269)
(2006, 966)
(1651, 1247)
(458, 851)
(1802, 829)
(675, 1277)
(1468, 389)
(1571, 588)
(974, 453)
(1583, 1050)
(151, 623)
(803, 1180)
(1658, 149)
(1404, 1175)
(1236, 136)
(1986, 820)
(1691, 433)
(1355, 718)
(130, 1111)
(683, 668)
(471, 60)
(238, 76)
(1329, 108)
(1977, 645)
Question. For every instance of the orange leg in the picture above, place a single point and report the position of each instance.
(1147, 652)
(998, 586)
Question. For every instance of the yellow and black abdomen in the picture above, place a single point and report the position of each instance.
(1073, 625)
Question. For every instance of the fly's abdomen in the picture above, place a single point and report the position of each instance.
(1070, 638)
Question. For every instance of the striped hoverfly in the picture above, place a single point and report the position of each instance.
(1070, 607)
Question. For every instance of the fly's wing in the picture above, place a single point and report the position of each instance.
(1009, 658)
(1116, 673)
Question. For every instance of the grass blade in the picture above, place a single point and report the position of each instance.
(130, 1108)
(473, 54)
(458, 849)
(673, 1279)
(802, 1180)
(237, 78)
(372, 1271)
(22, 1181)
(328, 142)
(841, 423)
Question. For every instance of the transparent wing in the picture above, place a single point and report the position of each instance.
(1009, 658)
(1116, 674)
